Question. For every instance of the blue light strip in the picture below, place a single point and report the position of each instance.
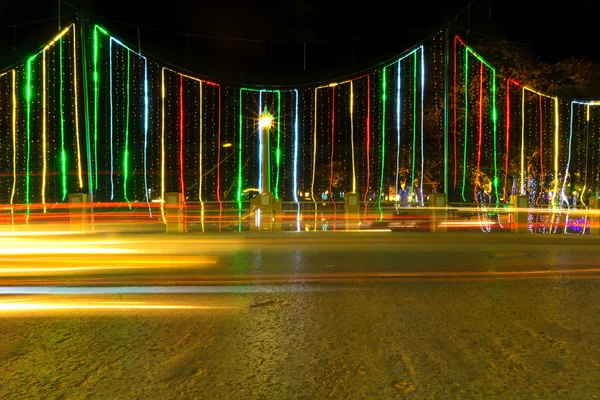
(146, 113)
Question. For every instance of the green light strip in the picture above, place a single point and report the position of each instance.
(28, 73)
(494, 116)
(126, 152)
(240, 164)
(96, 79)
(63, 154)
(278, 149)
(464, 180)
(414, 146)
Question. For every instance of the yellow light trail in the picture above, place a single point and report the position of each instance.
(41, 306)
(63, 250)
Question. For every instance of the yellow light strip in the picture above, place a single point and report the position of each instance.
(23, 306)
(62, 250)
(352, 135)
(79, 173)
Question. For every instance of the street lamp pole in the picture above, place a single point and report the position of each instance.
(265, 123)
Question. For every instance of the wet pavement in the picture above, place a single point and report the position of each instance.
(323, 315)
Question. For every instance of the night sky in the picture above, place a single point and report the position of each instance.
(277, 30)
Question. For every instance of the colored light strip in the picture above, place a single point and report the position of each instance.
(260, 144)
(162, 169)
(44, 130)
(296, 150)
(13, 130)
(332, 146)
(96, 79)
(455, 97)
(541, 149)
(587, 147)
(465, 137)
(63, 154)
(587, 104)
(494, 112)
(201, 134)
(368, 141)
(278, 149)
(312, 185)
(126, 152)
(181, 133)
(383, 105)
(162, 144)
(75, 99)
(368, 133)
(352, 135)
(480, 126)
(28, 98)
(398, 125)
(412, 53)
(422, 118)
(110, 91)
(556, 136)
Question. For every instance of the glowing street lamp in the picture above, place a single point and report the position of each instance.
(264, 122)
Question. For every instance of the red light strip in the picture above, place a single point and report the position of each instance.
(541, 149)
(455, 117)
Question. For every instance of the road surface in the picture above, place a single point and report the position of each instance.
(300, 315)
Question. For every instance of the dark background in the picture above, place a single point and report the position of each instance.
(341, 39)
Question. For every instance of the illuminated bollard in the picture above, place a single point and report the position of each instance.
(173, 212)
(437, 203)
(267, 213)
(594, 216)
(351, 210)
(520, 211)
(79, 212)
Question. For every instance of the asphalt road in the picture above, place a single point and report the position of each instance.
(300, 315)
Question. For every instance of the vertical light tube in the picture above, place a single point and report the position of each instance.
(75, 86)
(96, 78)
(368, 141)
(278, 149)
(312, 185)
(523, 141)
(480, 128)
(564, 186)
(508, 81)
(352, 135)
(162, 144)
(587, 147)
(455, 111)
(14, 134)
(332, 145)
(383, 101)
(556, 149)
(240, 161)
(398, 119)
(446, 63)
(494, 129)
(414, 143)
(44, 131)
(260, 143)
(28, 97)
(110, 95)
(126, 152)
(181, 133)
(543, 175)
(63, 154)
(422, 119)
(296, 150)
(200, 151)
(146, 117)
(465, 138)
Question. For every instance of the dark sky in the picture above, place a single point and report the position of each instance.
(381, 30)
